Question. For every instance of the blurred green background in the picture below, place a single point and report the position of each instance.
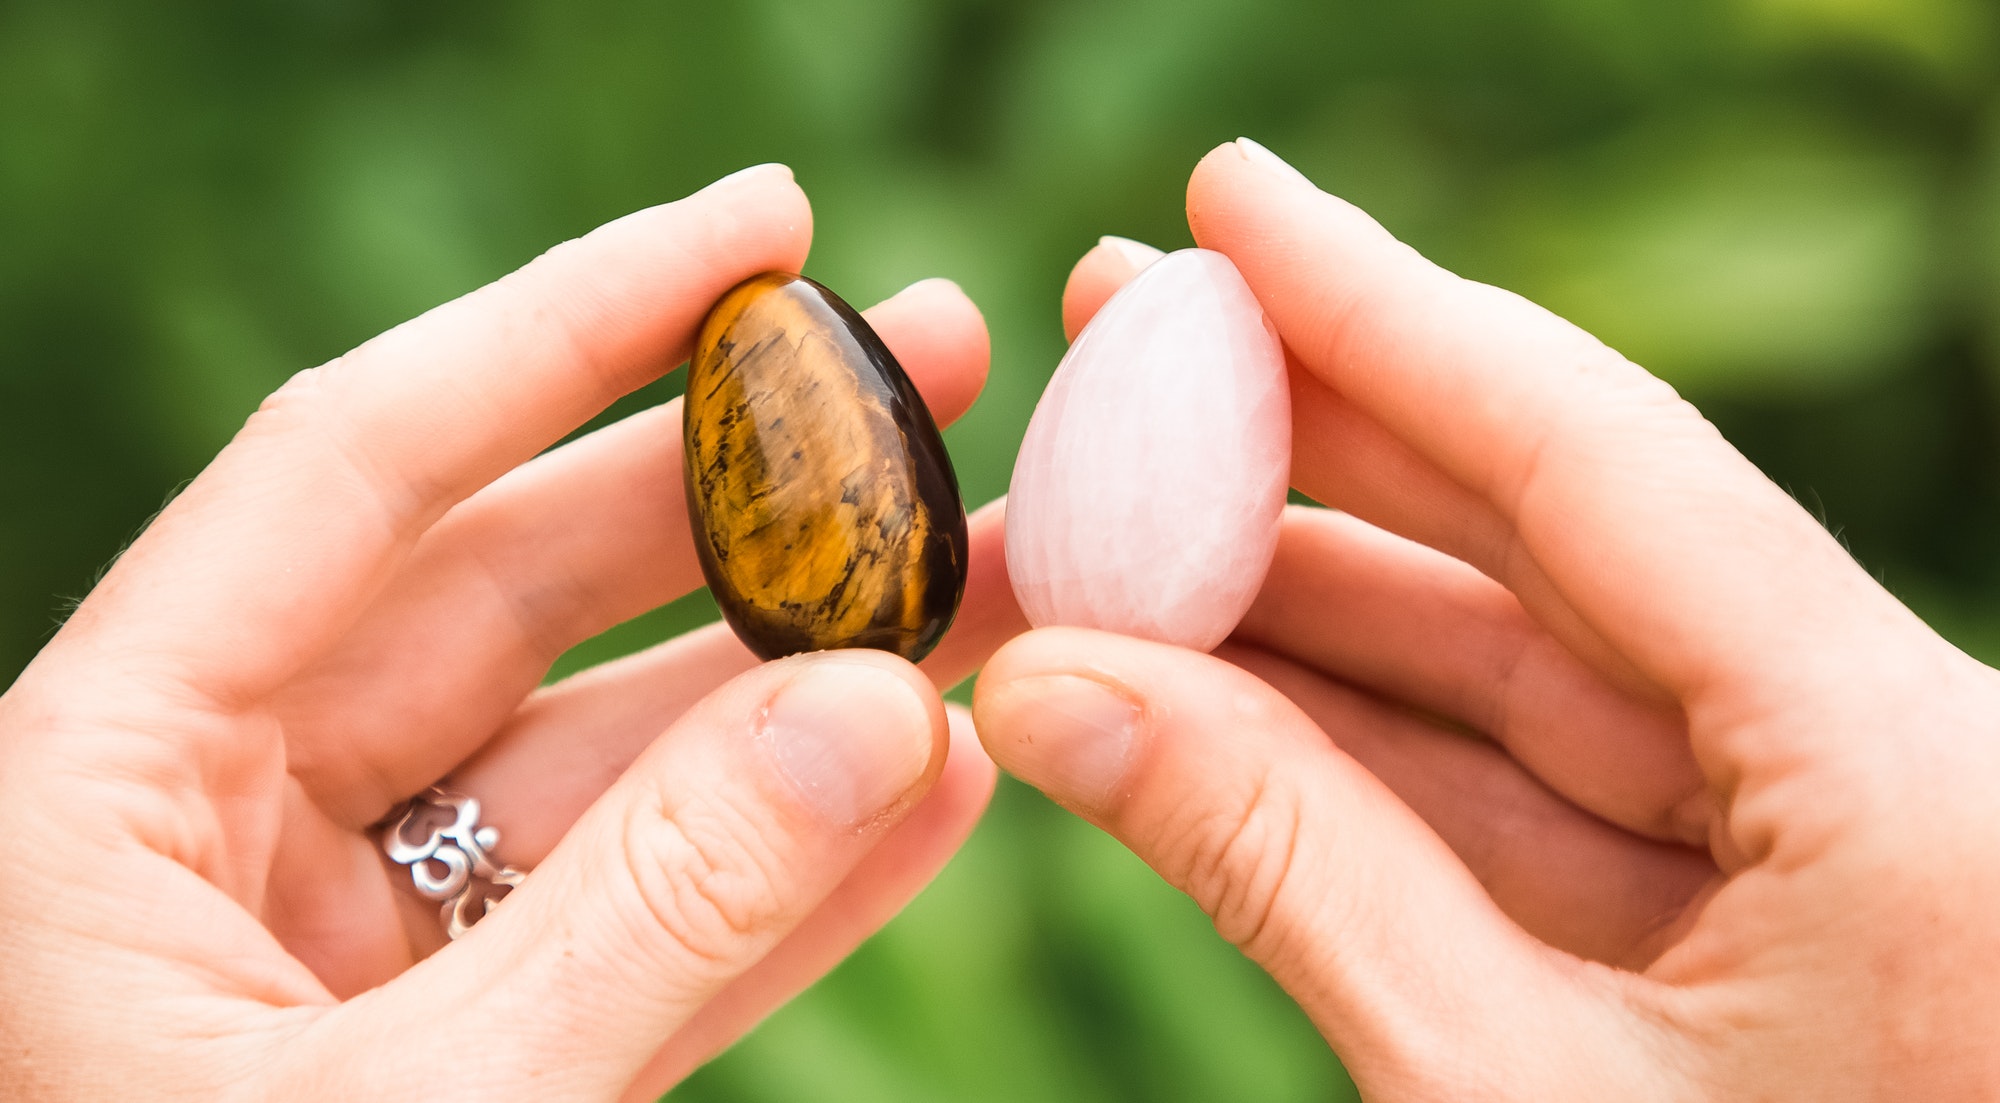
(1788, 208)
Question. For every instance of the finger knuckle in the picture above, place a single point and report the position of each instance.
(1240, 858)
(705, 880)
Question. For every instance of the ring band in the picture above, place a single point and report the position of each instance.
(453, 865)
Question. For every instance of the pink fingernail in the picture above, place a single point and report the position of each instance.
(1138, 254)
(933, 283)
(850, 737)
(739, 175)
(1257, 154)
(1074, 737)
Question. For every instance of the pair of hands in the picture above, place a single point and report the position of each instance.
(1724, 831)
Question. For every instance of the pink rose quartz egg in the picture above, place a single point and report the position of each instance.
(1148, 490)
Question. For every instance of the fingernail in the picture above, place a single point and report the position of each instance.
(1138, 254)
(1071, 737)
(741, 174)
(934, 283)
(850, 737)
(1256, 154)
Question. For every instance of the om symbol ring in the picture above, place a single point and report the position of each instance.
(450, 857)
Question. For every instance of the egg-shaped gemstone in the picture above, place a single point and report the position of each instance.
(1148, 491)
(824, 509)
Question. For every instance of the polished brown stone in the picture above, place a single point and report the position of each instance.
(824, 508)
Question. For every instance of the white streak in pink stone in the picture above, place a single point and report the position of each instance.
(1147, 493)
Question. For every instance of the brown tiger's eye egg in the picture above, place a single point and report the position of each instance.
(825, 511)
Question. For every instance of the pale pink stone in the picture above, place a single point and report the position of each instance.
(1148, 490)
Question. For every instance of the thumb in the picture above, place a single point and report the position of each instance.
(1314, 869)
(721, 838)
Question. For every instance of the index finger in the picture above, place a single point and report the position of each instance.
(274, 548)
(1665, 540)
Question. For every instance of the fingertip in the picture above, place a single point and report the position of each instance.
(689, 251)
(958, 719)
(939, 308)
(967, 763)
(939, 336)
(942, 286)
(1055, 709)
(766, 194)
(1228, 153)
(1260, 157)
(1216, 168)
(767, 202)
(1098, 275)
(771, 181)
(1248, 159)
(857, 734)
(1241, 190)
(1049, 651)
(1136, 254)
(1071, 736)
(743, 177)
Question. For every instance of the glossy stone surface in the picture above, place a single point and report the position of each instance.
(1147, 495)
(824, 509)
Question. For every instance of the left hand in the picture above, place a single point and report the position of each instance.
(360, 596)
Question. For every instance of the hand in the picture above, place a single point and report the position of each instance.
(360, 596)
(1608, 776)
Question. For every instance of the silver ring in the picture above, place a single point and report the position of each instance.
(453, 865)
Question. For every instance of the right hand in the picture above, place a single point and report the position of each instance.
(1728, 827)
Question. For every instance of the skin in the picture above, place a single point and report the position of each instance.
(360, 596)
(1572, 760)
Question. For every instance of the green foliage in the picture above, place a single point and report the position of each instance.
(1785, 207)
